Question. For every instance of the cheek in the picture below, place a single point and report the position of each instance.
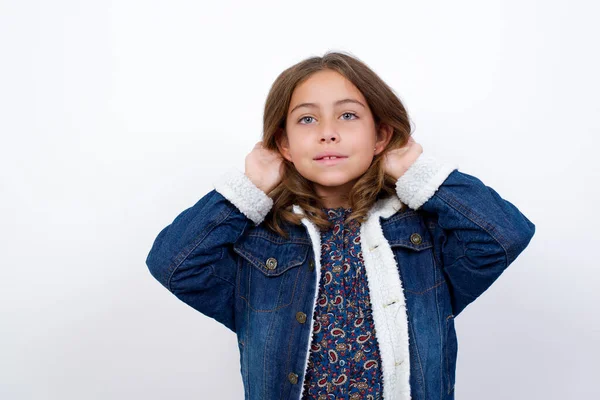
(303, 166)
(364, 159)
(298, 150)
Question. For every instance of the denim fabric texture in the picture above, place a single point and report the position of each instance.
(428, 253)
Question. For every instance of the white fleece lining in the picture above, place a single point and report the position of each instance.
(387, 302)
(236, 187)
(422, 179)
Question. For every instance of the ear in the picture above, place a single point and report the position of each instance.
(384, 135)
(283, 145)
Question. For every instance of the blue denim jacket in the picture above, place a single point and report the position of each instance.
(425, 263)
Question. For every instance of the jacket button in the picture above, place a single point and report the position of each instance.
(271, 263)
(301, 317)
(293, 378)
(416, 238)
(311, 265)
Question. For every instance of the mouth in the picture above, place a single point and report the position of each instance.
(331, 160)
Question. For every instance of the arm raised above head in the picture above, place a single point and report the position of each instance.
(480, 233)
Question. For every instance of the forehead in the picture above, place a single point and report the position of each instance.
(325, 88)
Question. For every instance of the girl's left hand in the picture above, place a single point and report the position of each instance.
(397, 161)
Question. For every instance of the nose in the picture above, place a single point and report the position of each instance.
(329, 138)
(329, 133)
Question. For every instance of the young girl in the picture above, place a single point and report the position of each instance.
(343, 253)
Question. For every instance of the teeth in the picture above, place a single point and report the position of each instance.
(329, 158)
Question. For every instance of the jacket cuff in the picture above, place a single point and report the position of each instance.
(236, 187)
(422, 179)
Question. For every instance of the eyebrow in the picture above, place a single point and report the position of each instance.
(337, 103)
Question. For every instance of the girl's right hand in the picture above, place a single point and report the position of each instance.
(264, 167)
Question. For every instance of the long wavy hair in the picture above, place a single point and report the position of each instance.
(374, 184)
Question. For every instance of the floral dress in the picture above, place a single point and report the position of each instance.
(344, 360)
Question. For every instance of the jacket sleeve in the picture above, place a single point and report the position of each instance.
(193, 257)
(480, 233)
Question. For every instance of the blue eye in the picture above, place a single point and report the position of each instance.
(346, 113)
(303, 119)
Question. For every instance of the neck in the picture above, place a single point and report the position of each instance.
(335, 204)
(334, 197)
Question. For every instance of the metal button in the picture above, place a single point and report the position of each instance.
(271, 263)
(293, 378)
(416, 238)
(311, 264)
(301, 317)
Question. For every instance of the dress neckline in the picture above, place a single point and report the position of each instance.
(335, 213)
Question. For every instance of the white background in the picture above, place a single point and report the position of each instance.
(117, 116)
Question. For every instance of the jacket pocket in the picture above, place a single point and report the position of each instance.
(268, 271)
(413, 250)
(451, 352)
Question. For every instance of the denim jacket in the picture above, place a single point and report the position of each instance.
(425, 262)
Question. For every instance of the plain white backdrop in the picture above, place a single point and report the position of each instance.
(117, 116)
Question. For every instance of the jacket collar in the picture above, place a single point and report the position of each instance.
(385, 207)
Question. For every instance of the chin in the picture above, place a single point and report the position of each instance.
(328, 178)
(332, 182)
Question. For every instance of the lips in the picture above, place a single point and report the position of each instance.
(329, 155)
(331, 160)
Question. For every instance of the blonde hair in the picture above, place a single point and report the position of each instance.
(374, 184)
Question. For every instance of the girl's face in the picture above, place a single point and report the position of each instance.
(328, 113)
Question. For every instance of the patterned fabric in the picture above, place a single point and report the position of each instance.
(344, 361)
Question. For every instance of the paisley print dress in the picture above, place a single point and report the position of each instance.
(344, 360)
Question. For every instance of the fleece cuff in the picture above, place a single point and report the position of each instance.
(422, 179)
(236, 187)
